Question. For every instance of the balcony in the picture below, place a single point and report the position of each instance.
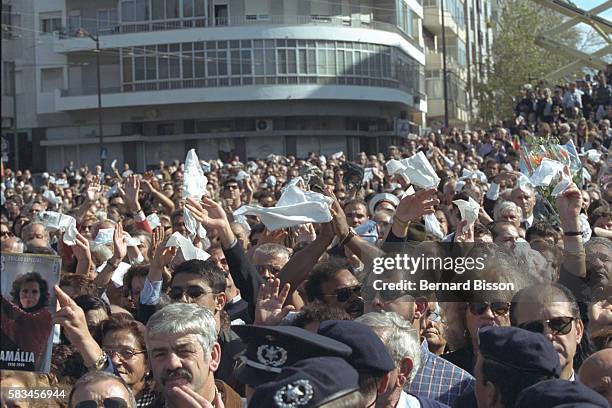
(432, 20)
(265, 88)
(66, 41)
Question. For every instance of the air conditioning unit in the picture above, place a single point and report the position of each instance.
(264, 125)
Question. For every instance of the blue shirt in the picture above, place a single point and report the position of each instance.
(438, 379)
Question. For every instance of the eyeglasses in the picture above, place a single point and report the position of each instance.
(106, 403)
(193, 292)
(344, 294)
(231, 186)
(498, 308)
(262, 269)
(433, 316)
(558, 325)
(124, 353)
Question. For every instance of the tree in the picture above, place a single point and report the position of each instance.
(515, 59)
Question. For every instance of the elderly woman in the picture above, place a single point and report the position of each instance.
(26, 321)
(508, 211)
(124, 342)
(480, 308)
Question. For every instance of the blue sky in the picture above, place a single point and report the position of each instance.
(589, 4)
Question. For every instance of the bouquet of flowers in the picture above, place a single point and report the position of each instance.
(550, 167)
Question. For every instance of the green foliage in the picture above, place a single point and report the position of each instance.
(516, 59)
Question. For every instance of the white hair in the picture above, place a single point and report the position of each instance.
(184, 319)
(505, 206)
(271, 249)
(400, 338)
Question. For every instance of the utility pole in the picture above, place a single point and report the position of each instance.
(81, 32)
(444, 74)
(15, 134)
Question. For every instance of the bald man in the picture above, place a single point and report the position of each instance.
(596, 373)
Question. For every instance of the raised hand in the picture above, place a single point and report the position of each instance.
(272, 237)
(119, 244)
(269, 310)
(184, 396)
(81, 249)
(208, 213)
(92, 191)
(464, 236)
(72, 319)
(132, 189)
(569, 204)
(413, 207)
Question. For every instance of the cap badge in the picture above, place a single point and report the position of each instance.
(271, 355)
(295, 394)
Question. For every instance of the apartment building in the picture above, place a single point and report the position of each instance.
(468, 34)
(224, 76)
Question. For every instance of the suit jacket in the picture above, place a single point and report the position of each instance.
(245, 276)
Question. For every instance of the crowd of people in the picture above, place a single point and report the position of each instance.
(297, 316)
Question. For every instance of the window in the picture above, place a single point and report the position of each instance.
(194, 8)
(7, 26)
(107, 20)
(8, 78)
(51, 79)
(134, 10)
(50, 22)
(74, 21)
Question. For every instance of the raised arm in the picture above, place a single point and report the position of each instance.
(92, 192)
(82, 253)
(158, 196)
(119, 252)
(569, 204)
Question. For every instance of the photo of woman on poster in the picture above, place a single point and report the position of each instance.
(26, 321)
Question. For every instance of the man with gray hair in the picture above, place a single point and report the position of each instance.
(184, 355)
(269, 259)
(402, 343)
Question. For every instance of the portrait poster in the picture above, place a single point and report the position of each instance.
(27, 312)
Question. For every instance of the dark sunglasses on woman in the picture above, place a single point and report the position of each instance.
(498, 308)
(557, 325)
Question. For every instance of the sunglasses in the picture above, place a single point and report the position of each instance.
(124, 354)
(558, 325)
(345, 294)
(193, 292)
(262, 269)
(106, 403)
(498, 308)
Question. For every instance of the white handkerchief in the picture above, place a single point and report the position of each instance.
(417, 168)
(473, 175)
(294, 207)
(130, 241)
(206, 168)
(337, 155)
(252, 167)
(50, 196)
(468, 210)
(153, 220)
(544, 174)
(194, 186)
(105, 236)
(432, 225)
(113, 190)
(593, 155)
(271, 181)
(368, 174)
(322, 159)
(242, 220)
(524, 183)
(113, 164)
(242, 175)
(57, 221)
(188, 250)
(119, 273)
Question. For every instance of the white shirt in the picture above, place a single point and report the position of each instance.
(408, 401)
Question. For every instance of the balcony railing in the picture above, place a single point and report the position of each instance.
(174, 84)
(238, 21)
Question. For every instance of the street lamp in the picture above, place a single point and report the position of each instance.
(81, 32)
